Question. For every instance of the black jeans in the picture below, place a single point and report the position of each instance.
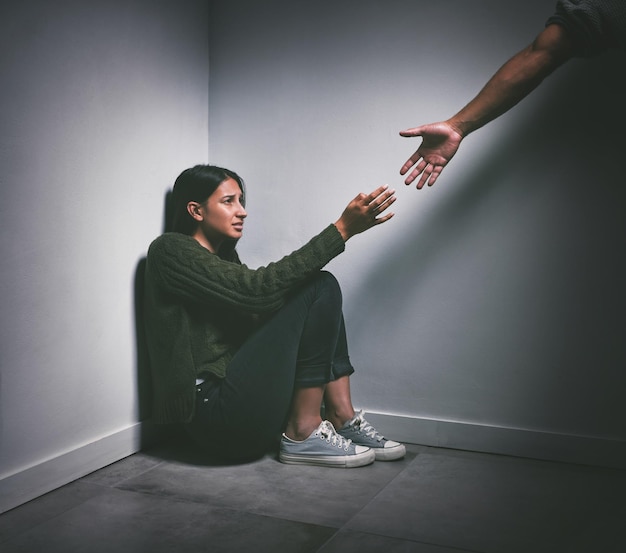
(303, 344)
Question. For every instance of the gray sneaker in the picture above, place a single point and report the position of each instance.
(361, 432)
(325, 448)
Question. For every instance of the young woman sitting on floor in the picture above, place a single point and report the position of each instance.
(239, 355)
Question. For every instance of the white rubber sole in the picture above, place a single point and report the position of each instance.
(337, 461)
(389, 453)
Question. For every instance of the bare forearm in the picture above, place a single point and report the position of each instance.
(517, 78)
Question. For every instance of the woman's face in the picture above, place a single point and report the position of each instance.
(221, 216)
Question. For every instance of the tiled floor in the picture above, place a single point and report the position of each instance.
(170, 499)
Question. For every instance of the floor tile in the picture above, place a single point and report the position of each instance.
(173, 498)
(346, 541)
(326, 496)
(131, 522)
(124, 469)
(496, 504)
(50, 505)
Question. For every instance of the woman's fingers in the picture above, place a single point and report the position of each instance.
(369, 198)
(379, 200)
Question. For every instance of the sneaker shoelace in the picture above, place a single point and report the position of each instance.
(327, 432)
(366, 428)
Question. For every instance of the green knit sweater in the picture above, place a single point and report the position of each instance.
(199, 308)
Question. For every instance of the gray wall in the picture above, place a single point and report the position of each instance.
(101, 106)
(495, 299)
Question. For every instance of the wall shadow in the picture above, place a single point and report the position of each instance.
(150, 434)
(555, 132)
(576, 124)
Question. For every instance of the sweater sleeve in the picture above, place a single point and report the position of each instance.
(182, 267)
(595, 26)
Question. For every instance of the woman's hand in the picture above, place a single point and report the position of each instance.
(365, 211)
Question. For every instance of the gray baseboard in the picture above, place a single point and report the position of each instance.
(34, 481)
(502, 441)
(48, 475)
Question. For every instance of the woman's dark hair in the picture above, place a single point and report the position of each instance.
(196, 185)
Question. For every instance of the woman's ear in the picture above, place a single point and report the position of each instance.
(193, 208)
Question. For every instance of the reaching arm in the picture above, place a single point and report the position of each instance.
(517, 78)
(180, 266)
